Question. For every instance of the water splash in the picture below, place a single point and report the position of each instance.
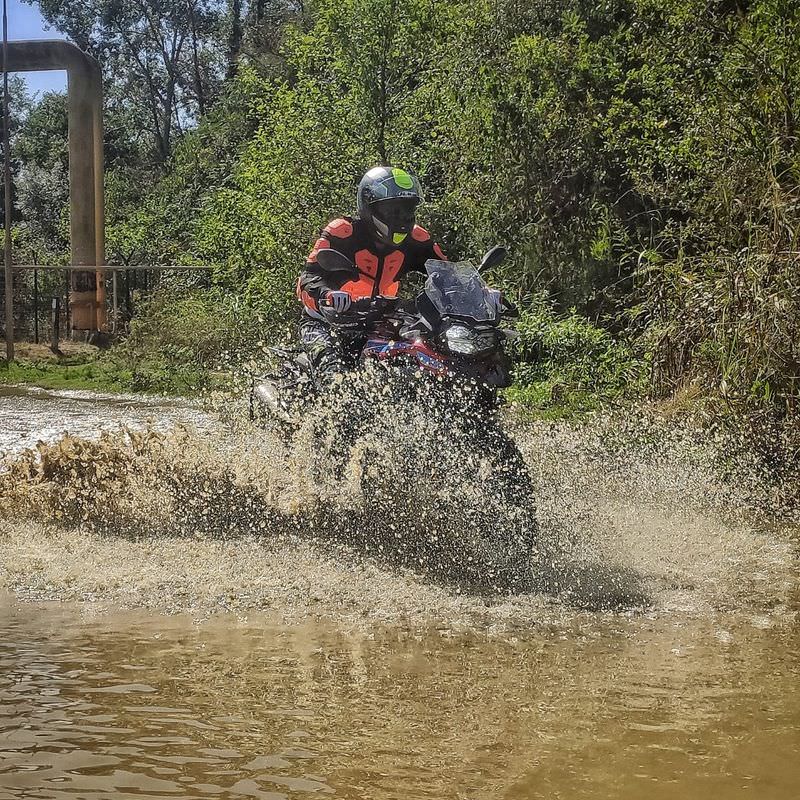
(250, 519)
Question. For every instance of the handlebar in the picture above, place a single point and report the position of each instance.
(369, 310)
(379, 304)
(363, 311)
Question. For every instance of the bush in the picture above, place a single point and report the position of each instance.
(569, 365)
(182, 336)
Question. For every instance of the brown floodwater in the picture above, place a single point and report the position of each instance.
(284, 669)
(128, 704)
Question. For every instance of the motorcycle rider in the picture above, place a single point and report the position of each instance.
(384, 243)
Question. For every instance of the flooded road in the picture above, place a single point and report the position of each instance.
(29, 415)
(299, 670)
(130, 705)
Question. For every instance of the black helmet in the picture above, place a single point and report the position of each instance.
(387, 200)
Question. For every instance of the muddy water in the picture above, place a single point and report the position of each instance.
(131, 705)
(31, 415)
(346, 678)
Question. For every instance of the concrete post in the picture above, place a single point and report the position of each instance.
(86, 198)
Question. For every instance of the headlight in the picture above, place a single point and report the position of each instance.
(460, 339)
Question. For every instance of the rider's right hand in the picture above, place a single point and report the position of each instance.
(338, 301)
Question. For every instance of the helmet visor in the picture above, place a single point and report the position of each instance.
(397, 215)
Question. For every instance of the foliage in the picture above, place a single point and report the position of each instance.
(161, 59)
(731, 324)
(97, 375)
(182, 337)
(159, 228)
(566, 364)
(639, 158)
(42, 181)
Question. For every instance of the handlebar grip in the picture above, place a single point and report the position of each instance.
(377, 303)
(362, 304)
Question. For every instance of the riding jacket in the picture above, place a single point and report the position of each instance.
(379, 272)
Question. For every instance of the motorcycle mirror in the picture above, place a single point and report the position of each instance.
(493, 257)
(334, 261)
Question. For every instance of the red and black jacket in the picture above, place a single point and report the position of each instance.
(380, 272)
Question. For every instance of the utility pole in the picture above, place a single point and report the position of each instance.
(9, 280)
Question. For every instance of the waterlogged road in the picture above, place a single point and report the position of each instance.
(31, 415)
(361, 683)
(131, 705)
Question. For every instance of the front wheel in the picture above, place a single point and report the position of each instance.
(506, 547)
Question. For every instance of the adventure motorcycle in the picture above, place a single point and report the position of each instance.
(443, 351)
(451, 332)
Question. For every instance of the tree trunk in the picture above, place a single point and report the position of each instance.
(198, 78)
(234, 38)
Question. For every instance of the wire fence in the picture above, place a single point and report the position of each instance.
(41, 296)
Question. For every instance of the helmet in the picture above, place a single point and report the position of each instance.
(387, 200)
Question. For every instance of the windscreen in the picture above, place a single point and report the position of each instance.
(456, 289)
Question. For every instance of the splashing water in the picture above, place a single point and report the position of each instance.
(392, 673)
(636, 514)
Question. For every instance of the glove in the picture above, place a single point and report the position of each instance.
(339, 301)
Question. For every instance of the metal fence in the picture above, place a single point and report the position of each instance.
(41, 297)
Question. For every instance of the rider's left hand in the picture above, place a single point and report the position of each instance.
(340, 302)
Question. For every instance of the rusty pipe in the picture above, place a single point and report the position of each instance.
(86, 194)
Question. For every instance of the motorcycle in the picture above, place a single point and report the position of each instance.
(444, 352)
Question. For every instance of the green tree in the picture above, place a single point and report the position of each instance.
(163, 61)
(42, 180)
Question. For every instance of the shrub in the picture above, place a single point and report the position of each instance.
(182, 336)
(567, 364)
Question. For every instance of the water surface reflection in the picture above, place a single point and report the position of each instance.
(130, 704)
(29, 415)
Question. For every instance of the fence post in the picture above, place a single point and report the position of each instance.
(68, 309)
(36, 306)
(55, 323)
(115, 302)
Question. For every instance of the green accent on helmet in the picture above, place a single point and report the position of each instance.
(402, 179)
(399, 238)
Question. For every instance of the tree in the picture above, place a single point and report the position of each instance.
(42, 180)
(18, 108)
(163, 60)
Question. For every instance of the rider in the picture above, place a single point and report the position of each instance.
(383, 242)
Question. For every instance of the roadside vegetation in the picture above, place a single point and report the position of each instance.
(77, 367)
(81, 367)
(639, 159)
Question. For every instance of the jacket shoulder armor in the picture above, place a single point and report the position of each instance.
(420, 234)
(341, 228)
